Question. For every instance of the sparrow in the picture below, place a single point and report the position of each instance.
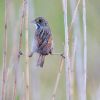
(42, 42)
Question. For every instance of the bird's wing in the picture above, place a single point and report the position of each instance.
(46, 37)
(42, 37)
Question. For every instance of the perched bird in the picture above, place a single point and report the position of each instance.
(43, 40)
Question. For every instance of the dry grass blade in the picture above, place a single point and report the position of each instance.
(14, 90)
(21, 26)
(66, 53)
(58, 78)
(74, 12)
(85, 46)
(4, 54)
(27, 50)
(72, 58)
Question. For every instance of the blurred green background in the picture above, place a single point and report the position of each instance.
(52, 10)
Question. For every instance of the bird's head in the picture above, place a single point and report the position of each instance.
(40, 22)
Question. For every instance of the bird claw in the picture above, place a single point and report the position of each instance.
(62, 55)
(20, 52)
(31, 54)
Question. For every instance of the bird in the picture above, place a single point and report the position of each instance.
(43, 42)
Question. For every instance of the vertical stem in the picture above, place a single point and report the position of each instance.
(67, 61)
(21, 25)
(74, 10)
(26, 53)
(85, 46)
(77, 40)
(15, 80)
(72, 58)
(4, 54)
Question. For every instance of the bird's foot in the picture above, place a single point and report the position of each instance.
(30, 55)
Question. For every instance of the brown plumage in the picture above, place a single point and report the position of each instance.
(43, 39)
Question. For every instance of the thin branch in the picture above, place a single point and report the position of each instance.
(58, 78)
(27, 50)
(4, 54)
(85, 46)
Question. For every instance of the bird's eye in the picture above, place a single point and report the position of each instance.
(40, 20)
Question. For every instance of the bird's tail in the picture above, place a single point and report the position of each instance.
(40, 61)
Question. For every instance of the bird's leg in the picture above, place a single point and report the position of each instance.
(21, 53)
(39, 60)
